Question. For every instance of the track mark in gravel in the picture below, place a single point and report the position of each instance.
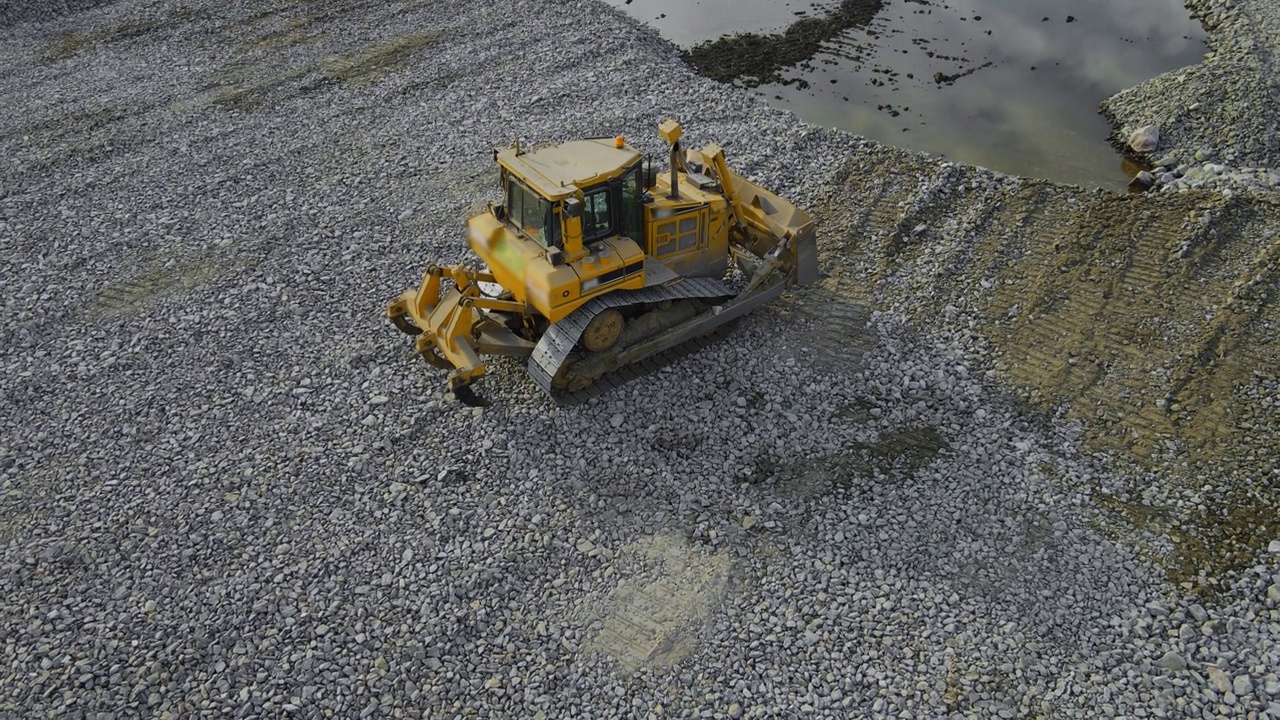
(293, 32)
(377, 59)
(1151, 332)
(835, 333)
(1103, 313)
(1222, 337)
(79, 136)
(68, 45)
(1149, 318)
(273, 31)
(242, 89)
(245, 86)
(158, 277)
(877, 192)
(653, 617)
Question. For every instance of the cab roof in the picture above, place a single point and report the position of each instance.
(557, 171)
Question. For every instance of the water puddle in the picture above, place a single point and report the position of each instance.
(1012, 85)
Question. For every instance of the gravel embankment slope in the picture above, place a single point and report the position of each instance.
(1217, 119)
(229, 485)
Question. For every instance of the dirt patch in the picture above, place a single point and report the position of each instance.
(159, 276)
(68, 45)
(838, 333)
(293, 31)
(653, 617)
(757, 59)
(377, 59)
(908, 450)
(262, 74)
(246, 88)
(1226, 533)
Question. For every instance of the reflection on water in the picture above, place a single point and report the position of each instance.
(1012, 85)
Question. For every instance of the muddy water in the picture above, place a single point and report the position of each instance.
(1012, 85)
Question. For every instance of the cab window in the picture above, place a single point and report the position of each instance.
(596, 220)
(531, 213)
(631, 207)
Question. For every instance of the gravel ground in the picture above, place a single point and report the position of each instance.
(230, 487)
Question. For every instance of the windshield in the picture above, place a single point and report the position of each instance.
(531, 213)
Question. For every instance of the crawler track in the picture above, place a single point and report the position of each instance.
(562, 338)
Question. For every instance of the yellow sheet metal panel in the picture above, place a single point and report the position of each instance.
(634, 280)
(628, 250)
(616, 264)
(718, 228)
(551, 288)
(521, 266)
(670, 131)
(558, 171)
(606, 256)
(683, 240)
(690, 194)
(505, 254)
(484, 231)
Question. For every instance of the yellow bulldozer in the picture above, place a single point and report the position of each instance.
(598, 268)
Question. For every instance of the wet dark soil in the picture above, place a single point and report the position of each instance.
(755, 59)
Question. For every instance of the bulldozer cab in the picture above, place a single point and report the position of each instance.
(603, 176)
(571, 225)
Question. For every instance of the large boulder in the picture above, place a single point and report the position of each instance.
(1145, 139)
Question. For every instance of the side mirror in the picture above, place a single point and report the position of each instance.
(650, 176)
(500, 212)
(573, 208)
